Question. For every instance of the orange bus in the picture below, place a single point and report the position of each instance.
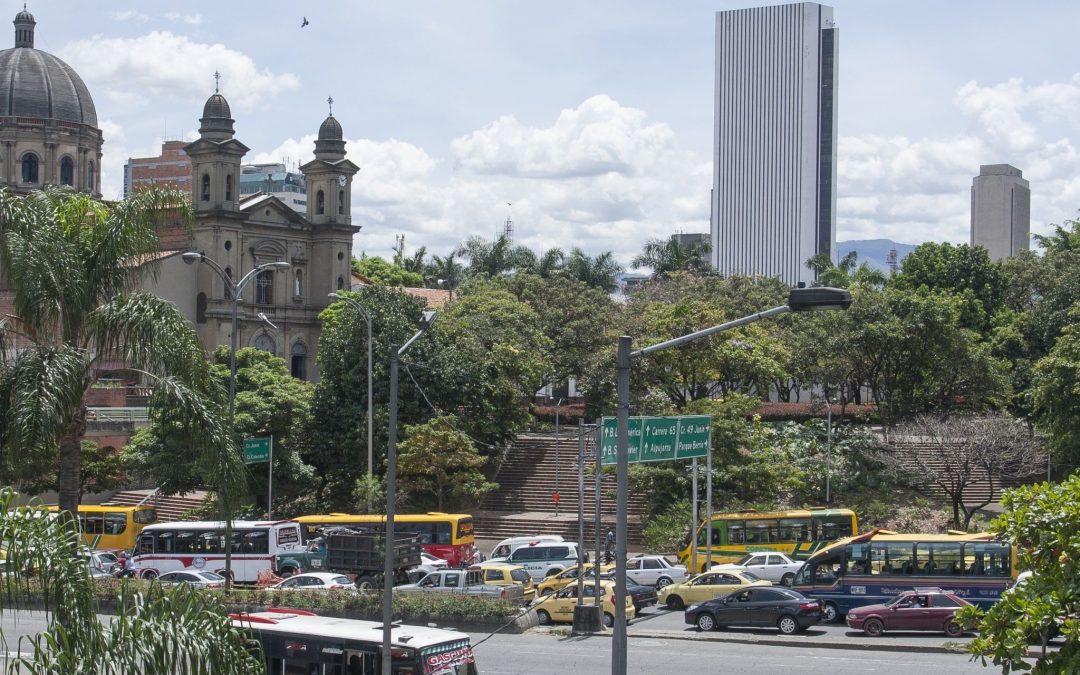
(444, 535)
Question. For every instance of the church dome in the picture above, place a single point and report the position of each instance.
(35, 84)
(216, 108)
(330, 130)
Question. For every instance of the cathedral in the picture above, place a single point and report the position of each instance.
(48, 128)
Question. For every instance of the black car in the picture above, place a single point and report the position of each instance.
(642, 596)
(789, 611)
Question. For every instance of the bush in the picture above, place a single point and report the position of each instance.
(667, 532)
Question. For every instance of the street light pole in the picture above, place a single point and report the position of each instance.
(235, 288)
(828, 449)
(270, 470)
(557, 440)
(355, 304)
(426, 319)
(799, 300)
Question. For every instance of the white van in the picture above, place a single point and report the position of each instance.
(507, 546)
(544, 559)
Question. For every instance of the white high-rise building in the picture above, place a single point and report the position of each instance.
(774, 179)
(1000, 210)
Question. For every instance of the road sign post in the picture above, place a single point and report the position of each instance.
(659, 439)
(257, 451)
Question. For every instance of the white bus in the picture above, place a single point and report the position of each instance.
(298, 642)
(166, 547)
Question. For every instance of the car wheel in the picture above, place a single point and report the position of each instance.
(609, 620)
(548, 591)
(543, 617)
(829, 613)
(365, 584)
(675, 602)
(788, 625)
(873, 627)
(953, 628)
(787, 579)
(149, 575)
(662, 583)
(706, 622)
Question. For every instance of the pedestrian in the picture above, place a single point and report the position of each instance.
(609, 544)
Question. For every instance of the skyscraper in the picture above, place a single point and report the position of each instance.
(774, 175)
(1000, 210)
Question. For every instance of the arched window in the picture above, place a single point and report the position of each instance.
(341, 202)
(228, 286)
(264, 288)
(228, 187)
(90, 176)
(200, 308)
(67, 171)
(206, 187)
(340, 283)
(299, 361)
(320, 202)
(298, 290)
(265, 343)
(29, 168)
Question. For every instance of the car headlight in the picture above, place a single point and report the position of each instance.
(852, 615)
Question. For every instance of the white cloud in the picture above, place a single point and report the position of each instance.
(190, 19)
(161, 64)
(129, 15)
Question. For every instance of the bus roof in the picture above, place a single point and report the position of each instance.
(888, 536)
(214, 525)
(373, 518)
(298, 622)
(792, 513)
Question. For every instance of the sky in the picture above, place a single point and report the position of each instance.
(588, 124)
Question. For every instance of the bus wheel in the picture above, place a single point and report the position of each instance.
(365, 584)
(787, 579)
(829, 613)
(149, 575)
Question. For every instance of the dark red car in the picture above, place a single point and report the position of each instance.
(921, 609)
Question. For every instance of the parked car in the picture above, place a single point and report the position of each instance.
(707, 586)
(642, 596)
(655, 570)
(921, 609)
(193, 578)
(557, 582)
(774, 566)
(784, 608)
(560, 606)
(428, 564)
(313, 581)
(502, 574)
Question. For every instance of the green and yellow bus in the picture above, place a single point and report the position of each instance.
(799, 533)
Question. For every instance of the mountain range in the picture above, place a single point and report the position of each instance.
(874, 252)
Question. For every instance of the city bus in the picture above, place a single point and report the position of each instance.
(298, 642)
(113, 527)
(444, 535)
(167, 547)
(871, 568)
(799, 533)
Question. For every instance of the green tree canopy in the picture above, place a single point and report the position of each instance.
(385, 273)
(439, 465)
(664, 256)
(964, 270)
(1056, 394)
(846, 272)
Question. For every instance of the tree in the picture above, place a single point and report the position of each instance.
(493, 258)
(386, 274)
(964, 270)
(546, 265)
(959, 451)
(444, 272)
(72, 265)
(846, 272)
(414, 263)
(596, 272)
(1056, 394)
(175, 631)
(1066, 237)
(102, 470)
(664, 256)
(1043, 522)
(438, 462)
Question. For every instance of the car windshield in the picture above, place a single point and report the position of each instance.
(898, 599)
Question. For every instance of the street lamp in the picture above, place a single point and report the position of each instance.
(799, 300)
(355, 304)
(270, 465)
(828, 448)
(426, 319)
(235, 288)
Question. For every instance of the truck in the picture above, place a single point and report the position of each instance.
(354, 551)
(467, 582)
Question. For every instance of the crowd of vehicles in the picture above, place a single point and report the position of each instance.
(448, 536)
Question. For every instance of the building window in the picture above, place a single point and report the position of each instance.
(200, 308)
(29, 168)
(341, 202)
(228, 286)
(340, 283)
(265, 343)
(299, 361)
(206, 187)
(67, 171)
(264, 288)
(90, 176)
(298, 290)
(320, 203)
(228, 188)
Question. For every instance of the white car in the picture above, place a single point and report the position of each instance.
(193, 578)
(655, 570)
(313, 581)
(775, 566)
(428, 564)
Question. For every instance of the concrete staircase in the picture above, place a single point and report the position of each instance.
(522, 505)
(907, 452)
(169, 508)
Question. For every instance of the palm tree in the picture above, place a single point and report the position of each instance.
(490, 259)
(548, 264)
(414, 263)
(599, 272)
(444, 271)
(72, 267)
(664, 256)
(845, 273)
(154, 631)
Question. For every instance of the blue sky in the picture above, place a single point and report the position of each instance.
(593, 119)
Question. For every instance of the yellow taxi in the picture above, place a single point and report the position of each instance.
(706, 586)
(557, 582)
(559, 607)
(502, 574)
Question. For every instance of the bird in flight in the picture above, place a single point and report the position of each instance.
(306, 22)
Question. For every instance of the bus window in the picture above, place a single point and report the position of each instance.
(166, 542)
(715, 532)
(115, 523)
(938, 558)
(736, 532)
(794, 529)
(826, 570)
(250, 541)
(145, 544)
(831, 528)
(464, 528)
(92, 523)
(441, 533)
(210, 542)
(856, 558)
(145, 516)
(186, 541)
(992, 560)
(891, 558)
(760, 531)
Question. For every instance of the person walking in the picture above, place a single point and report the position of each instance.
(609, 545)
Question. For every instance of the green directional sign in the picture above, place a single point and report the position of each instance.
(658, 439)
(256, 450)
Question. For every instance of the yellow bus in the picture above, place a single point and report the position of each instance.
(799, 533)
(113, 527)
(444, 535)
